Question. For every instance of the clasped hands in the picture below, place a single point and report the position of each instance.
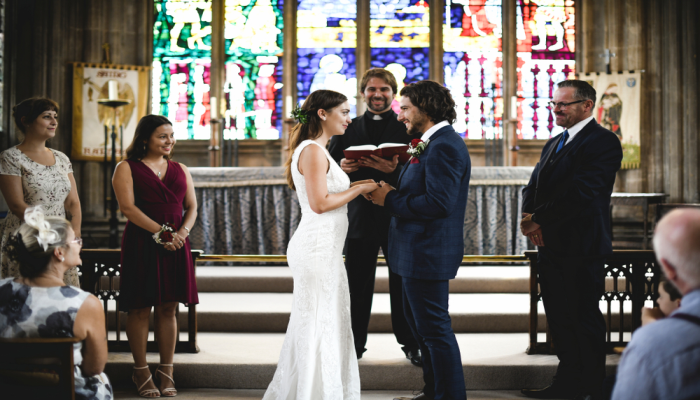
(178, 240)
(377, 195)
(532, 230)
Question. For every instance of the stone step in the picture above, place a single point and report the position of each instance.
(248, 361)
(269, 312)
(470, 279)
(498, 279)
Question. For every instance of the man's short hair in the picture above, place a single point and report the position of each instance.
(433, 99)
(382, 74)
(584, 91)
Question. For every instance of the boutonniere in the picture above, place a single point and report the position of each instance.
(416, 148)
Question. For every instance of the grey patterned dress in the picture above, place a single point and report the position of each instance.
(43, 185)
(49, 312)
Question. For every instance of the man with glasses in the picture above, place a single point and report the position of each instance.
(566, 215)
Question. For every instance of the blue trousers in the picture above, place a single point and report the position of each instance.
(426, 309)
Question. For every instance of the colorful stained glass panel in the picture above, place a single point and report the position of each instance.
(181, 62)
(473, 66)
(546, 37)
(326, 41)
(253, 70)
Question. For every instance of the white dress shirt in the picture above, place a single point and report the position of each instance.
(432, 130)
(576, 129)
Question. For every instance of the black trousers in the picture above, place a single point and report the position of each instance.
(571, 292)
(361, 265)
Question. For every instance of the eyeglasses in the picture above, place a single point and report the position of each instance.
(562, 105)
(79, 241)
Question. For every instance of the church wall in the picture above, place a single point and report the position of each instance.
(660, 38)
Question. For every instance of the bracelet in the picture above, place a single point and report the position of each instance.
(187, 229)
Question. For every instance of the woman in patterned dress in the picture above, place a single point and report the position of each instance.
(32, 174)
(39, 304)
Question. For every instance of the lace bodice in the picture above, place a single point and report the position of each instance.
(336, 179)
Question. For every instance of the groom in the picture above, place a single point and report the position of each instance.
(426, 237)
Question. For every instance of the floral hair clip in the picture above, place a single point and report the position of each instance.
(300, 115)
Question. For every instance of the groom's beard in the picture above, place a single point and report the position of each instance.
(378, 107)
(418, 125)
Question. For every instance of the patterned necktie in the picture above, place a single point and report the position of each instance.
(563, 140)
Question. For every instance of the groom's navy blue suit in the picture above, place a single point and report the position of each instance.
(426, 246)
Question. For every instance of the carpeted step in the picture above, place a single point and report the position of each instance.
(248, 361)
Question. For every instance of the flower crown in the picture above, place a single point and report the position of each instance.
(300, 115)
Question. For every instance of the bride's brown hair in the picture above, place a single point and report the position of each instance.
(309, 126)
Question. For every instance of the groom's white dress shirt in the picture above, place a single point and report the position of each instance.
(432, 130)
(576, 129)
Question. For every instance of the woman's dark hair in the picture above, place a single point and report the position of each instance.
(139, 145)
(433, 99)
(30, 109)
(318, 100)
(24, 247)
(672, 291)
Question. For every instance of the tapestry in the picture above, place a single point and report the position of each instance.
(92, 121)
(618, 108)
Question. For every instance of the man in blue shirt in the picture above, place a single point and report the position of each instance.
(663, 359)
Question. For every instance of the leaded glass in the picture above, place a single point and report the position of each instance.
(181, 63)
(473, 65)
(253, 70)
(546, 37)
(399, 40)
(326, 41)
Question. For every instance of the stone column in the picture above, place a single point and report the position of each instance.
(217, 78)
(362, 55)
(289, 73)
(672, 105)
(510, 84)
(690, 50)
(436, 72)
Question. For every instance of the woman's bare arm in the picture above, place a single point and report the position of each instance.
(189, 205)
(89, 325)
(11, 187)
(124, 190)
(72, 205)
(314, 164)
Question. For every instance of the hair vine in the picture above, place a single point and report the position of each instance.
(300, 115)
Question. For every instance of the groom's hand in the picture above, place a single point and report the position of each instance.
(377, 197)
(380, 164)
(365, 195)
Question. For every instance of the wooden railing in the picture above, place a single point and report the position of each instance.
(100, 276)
(635, 279)
(634, 275)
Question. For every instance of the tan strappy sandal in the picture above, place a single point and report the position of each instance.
(145, 392)
(168, 392)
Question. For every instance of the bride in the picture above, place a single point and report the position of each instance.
(318, 359)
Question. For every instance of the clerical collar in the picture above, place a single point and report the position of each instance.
(377, 117)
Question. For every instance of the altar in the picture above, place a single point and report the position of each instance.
(253, 211)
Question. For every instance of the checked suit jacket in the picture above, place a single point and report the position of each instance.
(426, 234)
(569, 193)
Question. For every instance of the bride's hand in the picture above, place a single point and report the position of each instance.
(367, 187)
(362, 182)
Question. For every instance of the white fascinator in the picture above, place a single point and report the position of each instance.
(34, 217)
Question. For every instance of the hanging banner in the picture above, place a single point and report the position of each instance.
(618, 108)
(91, 83)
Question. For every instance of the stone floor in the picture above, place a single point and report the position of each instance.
(242, 394)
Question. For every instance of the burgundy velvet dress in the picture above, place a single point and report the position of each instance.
(151, 275)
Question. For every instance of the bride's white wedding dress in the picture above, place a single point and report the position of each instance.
(318, 359)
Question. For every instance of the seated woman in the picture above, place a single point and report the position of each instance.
(39, 304)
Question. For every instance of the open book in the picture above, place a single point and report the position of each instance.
(384, 150)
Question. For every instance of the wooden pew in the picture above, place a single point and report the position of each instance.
(52, 378)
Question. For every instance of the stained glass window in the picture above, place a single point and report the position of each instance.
(399, 39)
(546, 39)
(181, 63)
(326, 42)
(473, 61)
(253, 70)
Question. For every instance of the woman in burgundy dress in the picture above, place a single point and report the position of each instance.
(156, 266)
